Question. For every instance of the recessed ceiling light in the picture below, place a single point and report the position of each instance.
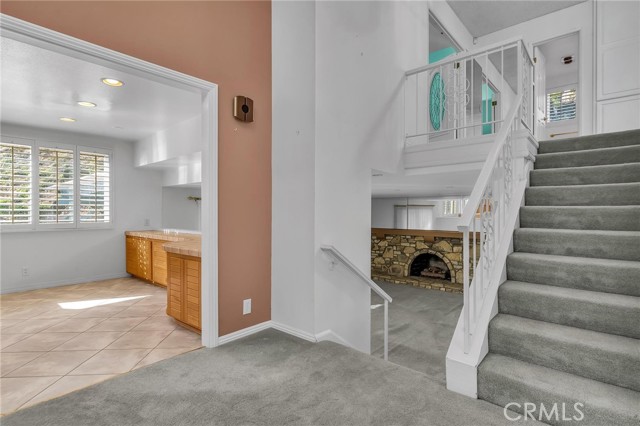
(87, 104)
(112, 82)
(68, 119)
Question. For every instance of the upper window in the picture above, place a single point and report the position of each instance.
(15, 183)
(454, 206)
(561, 105)
(95, 188)
(54, 186)
(451, 207)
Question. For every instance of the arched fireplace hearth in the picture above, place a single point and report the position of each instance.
(430, 265)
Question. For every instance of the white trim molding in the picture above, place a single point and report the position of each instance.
(35, 35)
(245, 332)
(294, 332)
(227, 338)
(57, 283)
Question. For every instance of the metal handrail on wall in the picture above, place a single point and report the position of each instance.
(375, 287)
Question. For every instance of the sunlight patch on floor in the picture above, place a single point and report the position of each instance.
(86, 304)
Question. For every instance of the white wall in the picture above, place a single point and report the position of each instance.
(293, 165)
(330, 129)
(362, 52)
(178, 212)
(69, 256)
(618, 65)
(382, 212)
(181, 139)
(555, 25)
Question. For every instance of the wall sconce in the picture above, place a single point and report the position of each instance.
(243, 108)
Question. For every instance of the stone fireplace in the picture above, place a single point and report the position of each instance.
(429, 265)
(427, 259)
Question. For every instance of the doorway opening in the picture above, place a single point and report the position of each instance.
(556, 87)
(34, 35)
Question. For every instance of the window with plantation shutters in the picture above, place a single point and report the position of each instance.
(15, 183)
(46, 185)
(561, 105)
(56, 186)
(95, 187)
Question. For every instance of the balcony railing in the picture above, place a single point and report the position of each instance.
(468, 94)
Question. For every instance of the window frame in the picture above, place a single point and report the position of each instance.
(35, 225)
(461, 203)
(100, 225)
(36, 178)
(16, 227)
(557, 89)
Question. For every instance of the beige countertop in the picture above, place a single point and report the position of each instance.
(182, 243)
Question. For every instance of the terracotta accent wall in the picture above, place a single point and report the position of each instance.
(228, 43)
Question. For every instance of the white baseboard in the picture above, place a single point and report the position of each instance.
(243, 333)
(60, 283)
(293, 331)
(331, 336)
(264, 326)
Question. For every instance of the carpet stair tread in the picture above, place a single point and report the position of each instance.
(610, 194)
(615, 218)
(589, 157)
(592, 354)
(586, 175)
(603, 244)
(595, 274)
(590, 310)
(504, 380)
(608, 140)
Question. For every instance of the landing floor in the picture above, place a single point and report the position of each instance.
(421, 324)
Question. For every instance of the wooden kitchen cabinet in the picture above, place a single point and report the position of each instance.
(139, 257)
(183, 289)
(146, 259)
(159, 263)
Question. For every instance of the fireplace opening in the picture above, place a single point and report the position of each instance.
(428, 265)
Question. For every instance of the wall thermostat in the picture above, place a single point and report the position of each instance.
(243, 108)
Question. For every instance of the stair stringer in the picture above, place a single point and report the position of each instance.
(461, 367)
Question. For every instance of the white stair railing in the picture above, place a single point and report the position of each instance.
(335, 253)
(490, 204)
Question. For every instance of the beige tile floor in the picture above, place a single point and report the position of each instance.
(58, 340)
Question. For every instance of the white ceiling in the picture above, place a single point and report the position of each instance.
(482, 17)
(458, 183)
(39, 86)
(557, 73)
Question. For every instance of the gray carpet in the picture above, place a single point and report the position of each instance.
(266, 379)
(567, 327)
(421, 324)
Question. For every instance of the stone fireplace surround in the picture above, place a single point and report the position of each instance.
(394, 250)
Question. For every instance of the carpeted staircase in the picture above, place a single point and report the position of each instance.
(568, 328)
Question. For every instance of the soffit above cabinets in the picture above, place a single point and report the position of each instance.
(39, 86)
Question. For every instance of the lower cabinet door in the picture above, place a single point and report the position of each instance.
(192, 293)
(159, 263)
(175, 298)
(183, 289)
